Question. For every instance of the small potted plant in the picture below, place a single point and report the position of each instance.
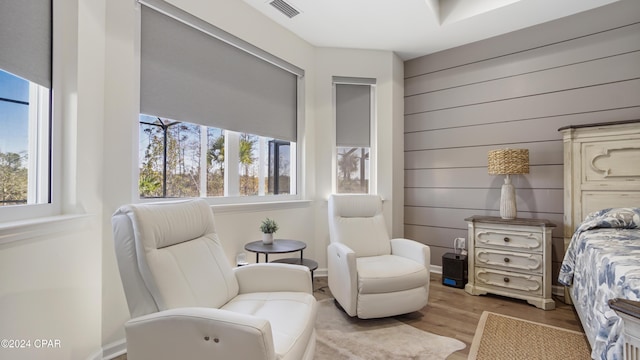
(268, 227)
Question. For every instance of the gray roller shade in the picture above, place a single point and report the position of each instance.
(353, 115)
(189, 75)
(25, 39)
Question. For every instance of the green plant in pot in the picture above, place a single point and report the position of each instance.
(268, 227)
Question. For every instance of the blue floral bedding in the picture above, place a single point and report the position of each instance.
(602, 262)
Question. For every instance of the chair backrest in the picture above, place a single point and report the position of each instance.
(169, 256)
(356, 220)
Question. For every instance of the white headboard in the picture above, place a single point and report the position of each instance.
(601, 169)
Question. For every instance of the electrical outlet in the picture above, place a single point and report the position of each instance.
(460, 243)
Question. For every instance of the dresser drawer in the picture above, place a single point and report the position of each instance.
(532, 263)
(506, 281)
(511, 257)
(509, 239)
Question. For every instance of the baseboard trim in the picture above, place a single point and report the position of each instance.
(557, 290)
(114, 349)
(96, 355)
(436, 269)
(321, 272)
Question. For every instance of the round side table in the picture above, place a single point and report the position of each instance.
(281, 246)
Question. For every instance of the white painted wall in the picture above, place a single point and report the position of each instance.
(51, 286)
(387, 69)
(51, 290)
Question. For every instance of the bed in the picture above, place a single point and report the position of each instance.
(602, 233)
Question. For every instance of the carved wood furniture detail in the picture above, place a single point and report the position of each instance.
(602, 170)
(511, 258)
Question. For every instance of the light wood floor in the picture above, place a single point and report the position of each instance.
(454, 313)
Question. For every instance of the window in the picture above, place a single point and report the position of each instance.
(178, 159)
(169, 158)
(353, 170)
(353, 114)
(279, 172)
(25, 82)
(24, 115)
(219, 116)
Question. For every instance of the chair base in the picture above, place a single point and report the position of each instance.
(371, 306)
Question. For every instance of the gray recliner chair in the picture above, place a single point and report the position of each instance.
(187, 302)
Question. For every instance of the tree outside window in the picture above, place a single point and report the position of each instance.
(23, 115)
(249, 182)
(179, 159)
(170, 163)
(353, 170)
(215, 162)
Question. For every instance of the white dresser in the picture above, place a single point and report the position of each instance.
(511, 258)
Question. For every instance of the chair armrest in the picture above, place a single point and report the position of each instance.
(413, 250)
(199, 333)
(272, 277)
(343, 276)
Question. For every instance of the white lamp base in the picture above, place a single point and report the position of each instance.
(508, 200)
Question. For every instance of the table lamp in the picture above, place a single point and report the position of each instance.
(508, 162)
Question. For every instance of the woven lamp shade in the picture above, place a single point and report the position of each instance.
(509, 161)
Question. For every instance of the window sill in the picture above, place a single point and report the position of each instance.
(36, 228)
(261, 206)
(241, 204)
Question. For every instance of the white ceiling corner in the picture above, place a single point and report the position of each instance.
(413, 28)
(455, 10)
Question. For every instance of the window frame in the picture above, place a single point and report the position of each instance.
(50, 139)
(232, 176)
(373, 188)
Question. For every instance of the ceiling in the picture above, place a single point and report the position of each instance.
(413, 28)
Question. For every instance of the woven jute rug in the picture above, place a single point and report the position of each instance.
(500, 337)
(342, 337)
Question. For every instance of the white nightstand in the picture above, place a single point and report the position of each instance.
(511, 258)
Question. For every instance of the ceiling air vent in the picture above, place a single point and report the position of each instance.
(284, 8)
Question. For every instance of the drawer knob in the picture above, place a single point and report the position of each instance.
(507, 259)
(506, 239)
(506, 279)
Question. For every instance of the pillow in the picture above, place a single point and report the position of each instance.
(619, 218)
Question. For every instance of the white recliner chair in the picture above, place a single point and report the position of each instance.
(369, 274)
(187, 302)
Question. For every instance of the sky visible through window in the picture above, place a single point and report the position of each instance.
(14, 113)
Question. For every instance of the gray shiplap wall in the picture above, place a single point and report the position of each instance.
(515, 91)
